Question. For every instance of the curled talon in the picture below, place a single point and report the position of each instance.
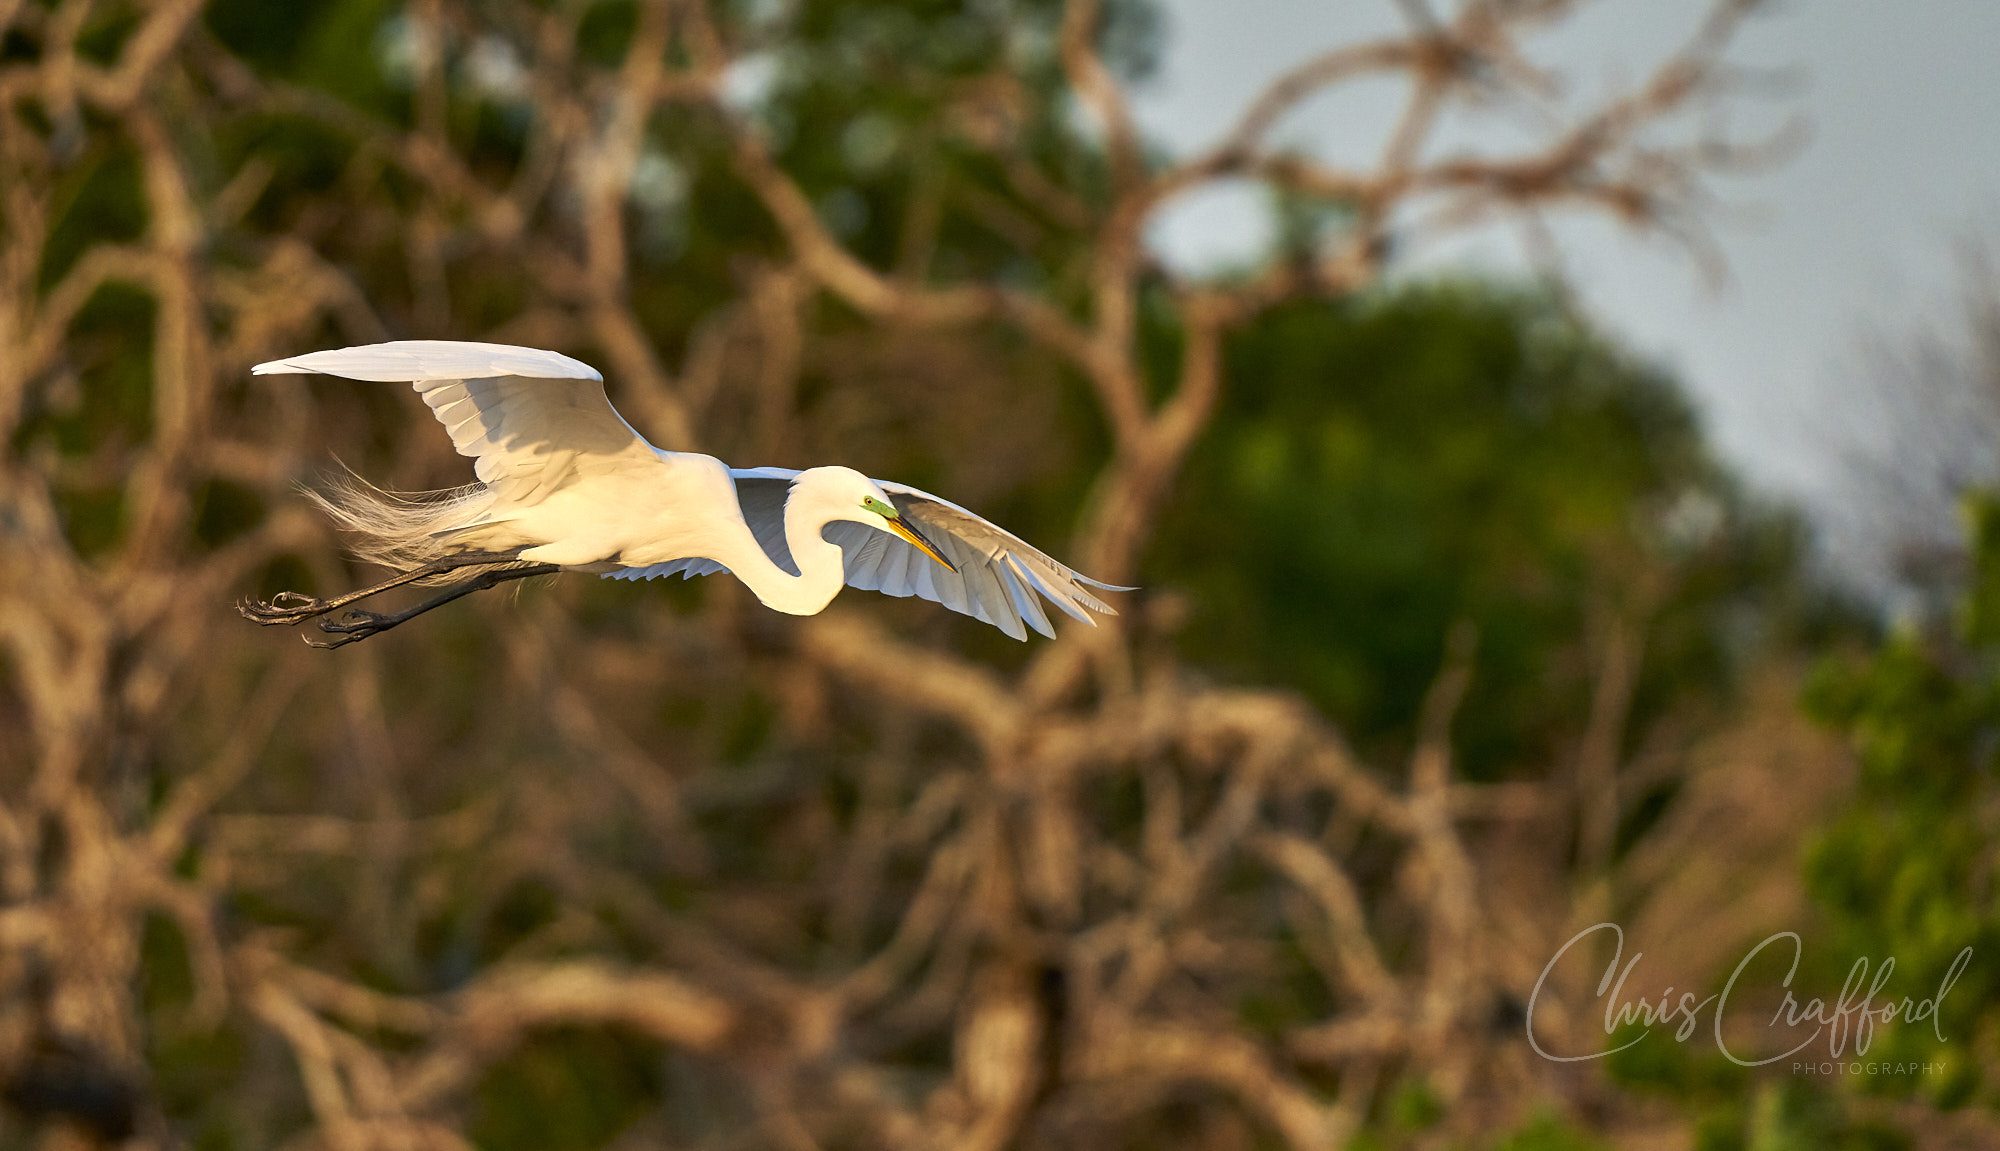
(350, 626)
(352, 620)
(265, 611)
(284, 608)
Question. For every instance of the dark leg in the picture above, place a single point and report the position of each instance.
(289, 607)
(358, 625)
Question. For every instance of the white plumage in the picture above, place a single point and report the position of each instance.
(566, 484)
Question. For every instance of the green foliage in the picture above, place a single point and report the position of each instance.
(1792, 1115)
(1548, 1133)
(1691, 1073)
(1908, 871)
(877, 108)
(1384, 468)
(1415, 1107)
(575, 1090)
(1733, 1108)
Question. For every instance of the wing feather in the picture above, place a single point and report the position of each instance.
(1026, 601)
(894, 574)
(1001, 579)
(687, 569)
(527, 418)
(869, 566)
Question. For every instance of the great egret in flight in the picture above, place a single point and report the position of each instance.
(565, 484)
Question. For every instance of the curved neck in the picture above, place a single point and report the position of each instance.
(822, 572)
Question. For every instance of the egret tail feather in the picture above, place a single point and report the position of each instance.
(402, 529)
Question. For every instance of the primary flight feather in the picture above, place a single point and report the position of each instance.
(565, 484)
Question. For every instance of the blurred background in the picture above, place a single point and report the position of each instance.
(1553, 440)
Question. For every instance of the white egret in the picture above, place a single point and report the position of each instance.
(566, 485)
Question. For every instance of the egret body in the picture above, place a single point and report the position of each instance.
(565, 484)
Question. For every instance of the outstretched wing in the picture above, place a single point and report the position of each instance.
(528, 418)
(1001, 579)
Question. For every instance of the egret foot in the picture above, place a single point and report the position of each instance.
(352, 626)
(290, 607)
(357, 624)
(287, 607)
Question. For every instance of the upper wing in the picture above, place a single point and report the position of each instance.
(1001, 579)
(527, 417)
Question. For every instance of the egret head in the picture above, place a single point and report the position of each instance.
(846, 494)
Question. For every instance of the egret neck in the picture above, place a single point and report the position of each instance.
(821, 569)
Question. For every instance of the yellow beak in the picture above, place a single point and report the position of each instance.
(902, 528)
